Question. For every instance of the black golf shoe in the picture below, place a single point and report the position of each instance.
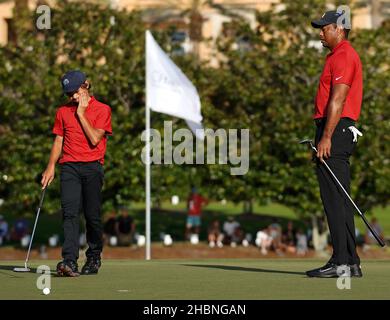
(314, 271)
(67, 268)
(356, 270)
(91, 266)
(330, 270)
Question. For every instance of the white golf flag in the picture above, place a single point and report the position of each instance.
(169, 90)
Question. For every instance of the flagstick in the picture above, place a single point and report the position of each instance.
(159, 99)
(147, 167)
(147, 183)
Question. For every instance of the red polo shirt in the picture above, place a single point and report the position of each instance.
(342, 65)
(195, 203)
(76, 146)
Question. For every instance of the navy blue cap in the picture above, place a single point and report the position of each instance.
(72, 81)
(328, 17)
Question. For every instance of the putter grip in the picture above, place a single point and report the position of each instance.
(376, 236)
(42, 197)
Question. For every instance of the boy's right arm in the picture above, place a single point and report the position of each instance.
(48, 174)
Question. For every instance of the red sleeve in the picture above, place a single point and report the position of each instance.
(342, 69)
(58, 128)
(103, 120)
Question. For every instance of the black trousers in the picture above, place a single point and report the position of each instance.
(81, 185)
(338, 209)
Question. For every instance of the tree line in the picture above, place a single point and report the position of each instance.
(266, 82)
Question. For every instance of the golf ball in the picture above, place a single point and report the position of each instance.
(46, 291)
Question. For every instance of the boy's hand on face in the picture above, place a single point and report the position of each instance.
(83, 101)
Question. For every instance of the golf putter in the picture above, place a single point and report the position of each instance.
(26, 268)
(376, 236)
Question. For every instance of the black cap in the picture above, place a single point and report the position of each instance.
(72, 81)
(328, 17)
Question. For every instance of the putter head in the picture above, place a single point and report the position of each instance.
(307, 141)
(24, 269)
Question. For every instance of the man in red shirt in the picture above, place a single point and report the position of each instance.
(337, 108)
(195, 202)
(81, 127)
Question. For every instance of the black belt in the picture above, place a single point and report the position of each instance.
(81, 162)
(321, 121)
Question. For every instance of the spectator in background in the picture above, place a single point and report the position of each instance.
(215, 236)
(264, 240)
(275, 231)
(369, 238)
(195, 202)
(3, 230)
(359, 238)
(309, 232)
(289, 238)
(125, 227)
(301, 243)
(20, 229)
(320, 235)
(109, 228)
(233, 232)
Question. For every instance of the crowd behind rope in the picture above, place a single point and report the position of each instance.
(120, 230)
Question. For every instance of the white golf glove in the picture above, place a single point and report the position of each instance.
(355, 133)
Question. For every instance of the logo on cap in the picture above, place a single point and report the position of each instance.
(65, 82)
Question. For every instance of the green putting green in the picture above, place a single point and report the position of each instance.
(198, 279)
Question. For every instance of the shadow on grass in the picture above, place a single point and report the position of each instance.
(14, 274)
(233, 268)
(11, 268)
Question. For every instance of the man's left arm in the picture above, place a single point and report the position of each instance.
(335, 108)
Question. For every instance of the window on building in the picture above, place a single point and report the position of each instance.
(243, 44)
(180, 43)
(11, 30)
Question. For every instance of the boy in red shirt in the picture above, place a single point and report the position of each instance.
(81, 128)
(194, 204)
